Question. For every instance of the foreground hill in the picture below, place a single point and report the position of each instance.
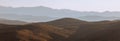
(39, 31)
(67, 23)
(66, 29)
(58, 30)
(7, 33)
(97, 31)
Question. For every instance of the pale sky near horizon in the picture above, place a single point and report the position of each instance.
(79, 5)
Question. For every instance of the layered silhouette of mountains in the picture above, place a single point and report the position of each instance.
(45, 14)
(26, 18)
(12, 22)
(66, 29)
(98, 18)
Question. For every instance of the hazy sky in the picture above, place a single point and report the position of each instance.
(80, 5)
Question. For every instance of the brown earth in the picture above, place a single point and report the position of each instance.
(66, 29)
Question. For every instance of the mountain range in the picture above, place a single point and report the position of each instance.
(26, 18)
(45, 14)
(12, 22)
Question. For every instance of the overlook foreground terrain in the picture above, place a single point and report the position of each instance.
(66, 29)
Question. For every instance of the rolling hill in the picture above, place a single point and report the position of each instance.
(66, 29)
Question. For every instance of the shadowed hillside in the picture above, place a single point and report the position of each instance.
(66, 29)
(67, 23)
(97, 31)
(8, 32)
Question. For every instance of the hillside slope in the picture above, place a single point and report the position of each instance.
(67, 29)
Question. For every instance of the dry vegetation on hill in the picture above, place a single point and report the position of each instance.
(66, 29)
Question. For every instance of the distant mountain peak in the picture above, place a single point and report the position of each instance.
(38, 7)
(42, 6)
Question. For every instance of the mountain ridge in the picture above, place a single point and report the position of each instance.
(12, 22)
(58, 13)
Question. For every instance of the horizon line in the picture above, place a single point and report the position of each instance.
(56, 8)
